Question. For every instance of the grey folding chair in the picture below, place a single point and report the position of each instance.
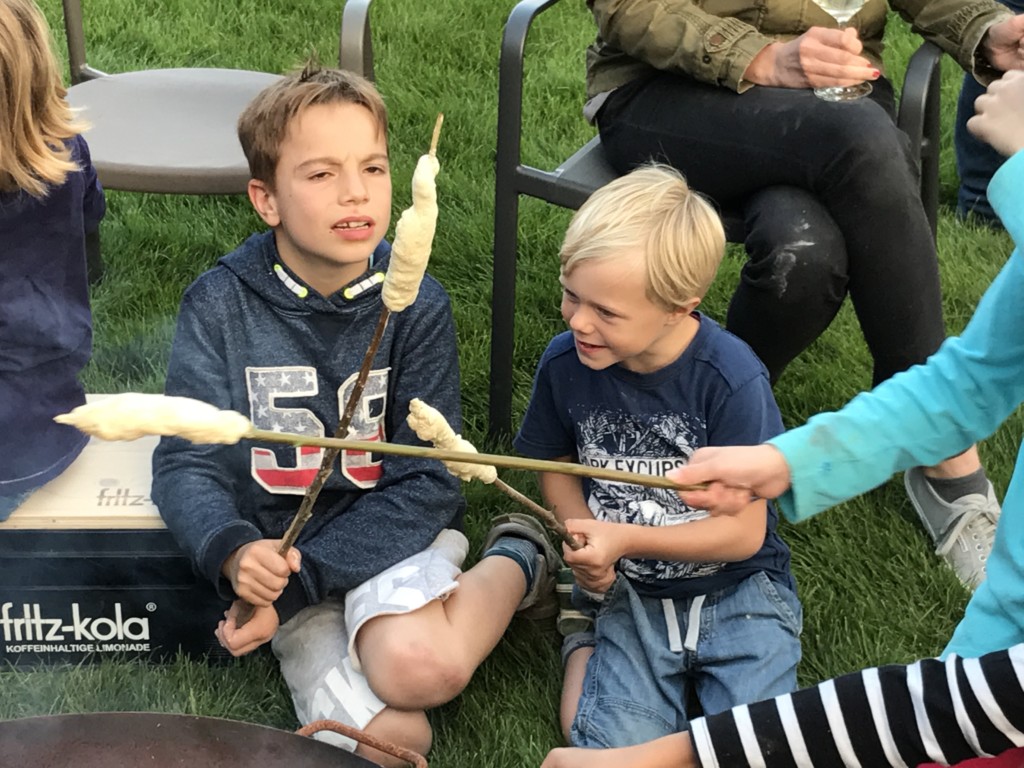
(572, 182)
(173, 130)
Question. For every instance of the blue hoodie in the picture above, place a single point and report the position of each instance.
(247, 340)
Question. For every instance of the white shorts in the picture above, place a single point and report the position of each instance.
(316, 647)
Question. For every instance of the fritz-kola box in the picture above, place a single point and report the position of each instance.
(88, 570)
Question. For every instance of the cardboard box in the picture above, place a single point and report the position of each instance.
(88, 570)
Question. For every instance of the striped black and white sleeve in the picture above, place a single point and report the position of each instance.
(930, 711)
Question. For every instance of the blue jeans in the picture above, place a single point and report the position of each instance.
(976, 161)
(731, 647)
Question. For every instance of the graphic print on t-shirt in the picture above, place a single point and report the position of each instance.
(651, 445)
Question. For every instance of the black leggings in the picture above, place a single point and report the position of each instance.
(832, 204)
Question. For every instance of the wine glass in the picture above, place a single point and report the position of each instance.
(842, 11)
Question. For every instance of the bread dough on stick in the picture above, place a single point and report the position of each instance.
(414, 236)
(132, 415)
(430, 425)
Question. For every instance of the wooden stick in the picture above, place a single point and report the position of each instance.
(430, 426)
(327, 464)
(437, 134)
(246, 610)
(494, 459)
(545, 515)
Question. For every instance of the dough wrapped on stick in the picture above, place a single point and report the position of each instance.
(431, 426)
(414, 233)
(131, 415)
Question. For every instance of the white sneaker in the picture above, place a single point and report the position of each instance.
(963, 530)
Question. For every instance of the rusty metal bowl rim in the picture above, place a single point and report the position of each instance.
(119, 730)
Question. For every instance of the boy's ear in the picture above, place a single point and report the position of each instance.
(685, 310)
(264, 202)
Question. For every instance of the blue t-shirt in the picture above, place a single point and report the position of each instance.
(45, 322)
(716, 393)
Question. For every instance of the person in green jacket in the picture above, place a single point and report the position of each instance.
(723, 90)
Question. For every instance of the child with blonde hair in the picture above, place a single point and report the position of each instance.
(685, 605)
(50, 199)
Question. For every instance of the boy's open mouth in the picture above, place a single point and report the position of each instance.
(588, 348)
(354, 229)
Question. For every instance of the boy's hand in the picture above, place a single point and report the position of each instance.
(733, 474)
(257, 573)
(999, 114)
(594, 580)
(594, 564)
(820, 57)
(257, 631)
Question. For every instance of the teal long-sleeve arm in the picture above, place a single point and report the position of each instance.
(932, 411)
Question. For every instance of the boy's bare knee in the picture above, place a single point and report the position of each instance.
(413, 674)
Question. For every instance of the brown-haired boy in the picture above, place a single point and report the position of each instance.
(369, 615)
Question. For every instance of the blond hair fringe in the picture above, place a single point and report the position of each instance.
(651, 214)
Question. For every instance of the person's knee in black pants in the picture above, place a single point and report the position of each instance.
(795, 277)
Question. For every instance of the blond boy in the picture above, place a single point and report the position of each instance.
(685, 604)
(369, 615)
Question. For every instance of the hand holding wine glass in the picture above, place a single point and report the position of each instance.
(821, 56)
(842, 11)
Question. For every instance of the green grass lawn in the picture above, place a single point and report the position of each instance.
(871, 589)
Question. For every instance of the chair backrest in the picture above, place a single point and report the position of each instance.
(174, 130)
(355, 49)
(74, 28)
(576, 178)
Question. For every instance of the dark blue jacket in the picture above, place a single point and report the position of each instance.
(45, 323)
(247, 341)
